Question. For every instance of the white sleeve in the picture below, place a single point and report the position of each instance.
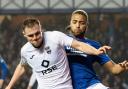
(63, 39)
(23, 60)
(32, 80)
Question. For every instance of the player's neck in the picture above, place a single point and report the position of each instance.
(80, 36)
(77, 36)
(41, 45)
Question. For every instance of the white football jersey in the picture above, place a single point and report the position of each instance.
(49, 62)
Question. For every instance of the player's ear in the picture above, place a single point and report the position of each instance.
(23, 33)
(86, 29)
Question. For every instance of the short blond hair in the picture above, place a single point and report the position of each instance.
(30, 22)
(81, 12)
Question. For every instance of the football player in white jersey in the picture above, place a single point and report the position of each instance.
(44, 53)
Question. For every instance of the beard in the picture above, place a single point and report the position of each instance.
(78, 33)
(38, 45)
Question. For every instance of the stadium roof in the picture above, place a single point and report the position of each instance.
(61, 6)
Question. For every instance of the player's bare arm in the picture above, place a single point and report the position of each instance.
(1, 83)
(89, 49)
(116, 68)
(20, 69)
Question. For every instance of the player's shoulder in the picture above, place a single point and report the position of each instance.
(27, 47)
(52, 32)
(94, 43)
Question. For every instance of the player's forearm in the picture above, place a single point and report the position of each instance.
(1, 83)
(88, 49)
(120, 67)
(17, 74)
(85, 48)
(117, 69)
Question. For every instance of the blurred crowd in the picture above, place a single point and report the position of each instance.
(108, 29)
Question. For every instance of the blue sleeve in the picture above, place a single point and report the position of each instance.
(103, 58)
(4, 69)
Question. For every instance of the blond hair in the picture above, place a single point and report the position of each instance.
(81, 12)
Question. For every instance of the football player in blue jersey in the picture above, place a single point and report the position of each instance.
(3, 71)
(81, 64)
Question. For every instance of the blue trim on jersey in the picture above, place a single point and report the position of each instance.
(4, 69)
(81, 65)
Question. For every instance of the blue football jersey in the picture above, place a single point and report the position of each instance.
(81, 65)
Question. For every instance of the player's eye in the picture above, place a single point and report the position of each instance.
(74, 21)
(36, 34)
(30, 35)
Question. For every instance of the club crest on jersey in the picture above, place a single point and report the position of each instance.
(48, 50)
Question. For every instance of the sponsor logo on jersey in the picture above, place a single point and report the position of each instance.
(49, 70)
(32, 56)
(73, 51)
(45, 63)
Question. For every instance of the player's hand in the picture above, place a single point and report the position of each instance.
(124, 64)
(104, 49)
